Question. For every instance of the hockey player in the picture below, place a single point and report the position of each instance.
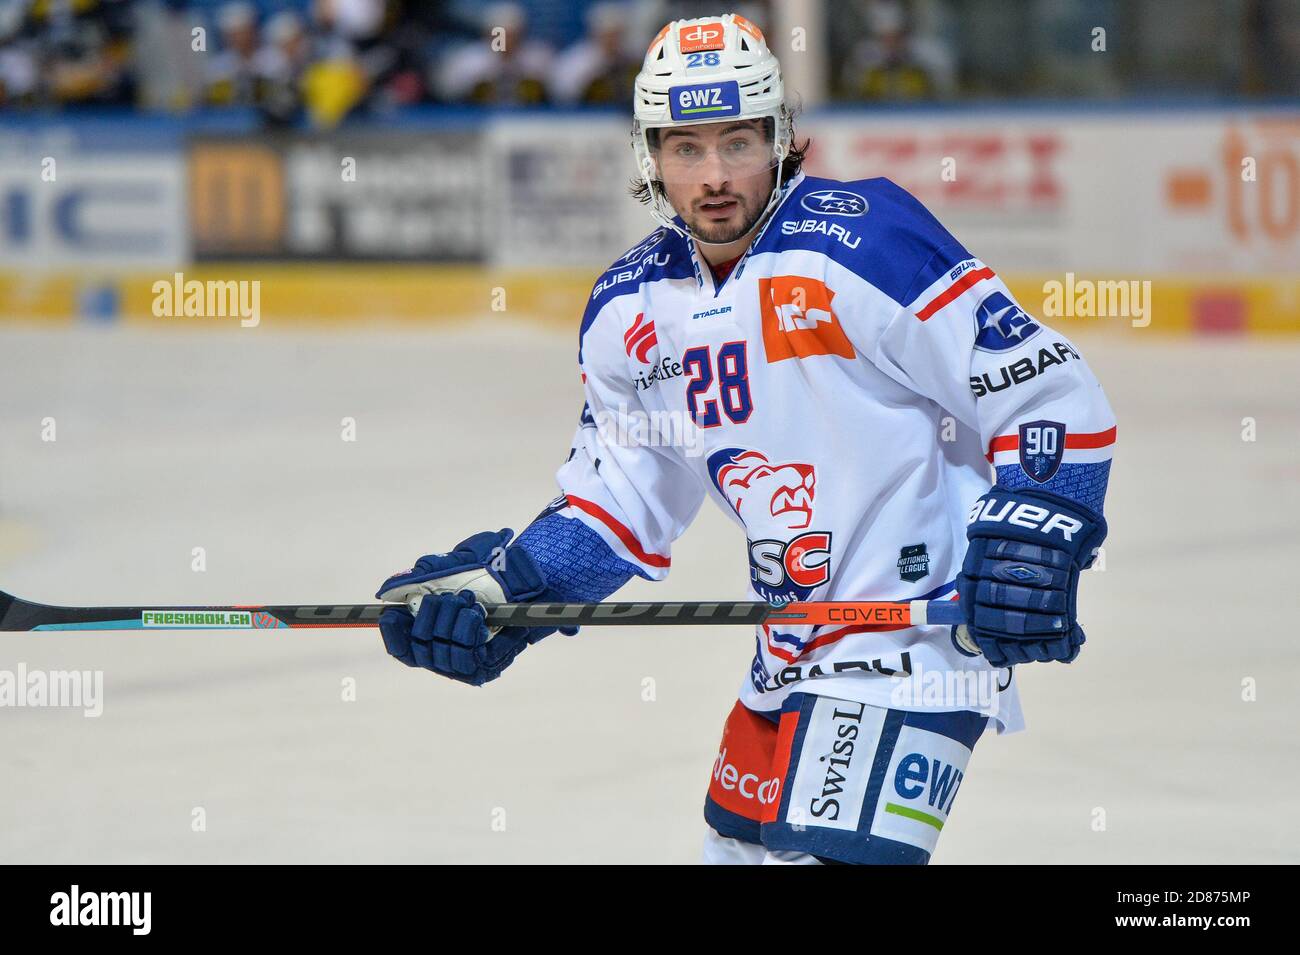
(847, 373)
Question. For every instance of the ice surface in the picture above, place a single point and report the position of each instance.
(231, 441)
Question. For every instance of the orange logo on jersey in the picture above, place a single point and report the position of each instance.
(701, 37)
(749, 28)
(798, 320)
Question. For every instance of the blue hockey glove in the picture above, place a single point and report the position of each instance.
(443, 626)
(1020, 578)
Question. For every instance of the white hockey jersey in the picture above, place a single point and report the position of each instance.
(841, 395)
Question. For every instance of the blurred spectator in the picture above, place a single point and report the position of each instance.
(504, 68)
(280, 65)
(346, 26)
(756, 12)
(893, 63)
(348, 57)
(17, 57)
(422, 33)
(600, 68)
(1273, 48)
(80, 50)
(232, 75)
(324, 60)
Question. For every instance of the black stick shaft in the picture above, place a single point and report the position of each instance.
(22, 615)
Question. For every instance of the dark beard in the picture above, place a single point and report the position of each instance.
(718, 234)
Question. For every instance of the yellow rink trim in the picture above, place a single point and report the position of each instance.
(326, 294)
(1225, 304)
(320, 294)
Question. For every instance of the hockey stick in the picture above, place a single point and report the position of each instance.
(18, 615)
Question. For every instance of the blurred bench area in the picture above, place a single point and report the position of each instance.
(429, 160)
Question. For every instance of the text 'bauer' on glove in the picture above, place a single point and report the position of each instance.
(1020, 578)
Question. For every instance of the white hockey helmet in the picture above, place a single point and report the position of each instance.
(705, 71)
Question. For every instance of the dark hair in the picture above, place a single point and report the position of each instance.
(790, 167)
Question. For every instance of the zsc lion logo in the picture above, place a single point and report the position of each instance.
(772, 500)
(763, 493)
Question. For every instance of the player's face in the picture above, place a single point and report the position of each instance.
(718, 176)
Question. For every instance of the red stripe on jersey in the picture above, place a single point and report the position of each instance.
(620, 531)
(954, 290)
(1098, 439)
(826, 639)
(1003, 442)
(1095, 439)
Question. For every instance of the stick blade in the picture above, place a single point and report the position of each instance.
(7, 601)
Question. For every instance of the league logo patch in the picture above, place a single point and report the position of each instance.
(1042, 445)
(835, 202)
(772, 500)
(1001, 324)
(913, 563)
(704, 100)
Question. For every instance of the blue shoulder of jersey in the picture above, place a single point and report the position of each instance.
(661, 254)
(874, 228)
